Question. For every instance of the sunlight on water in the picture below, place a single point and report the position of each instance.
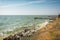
(10, 23)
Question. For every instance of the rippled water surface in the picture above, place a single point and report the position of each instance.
(11, 22)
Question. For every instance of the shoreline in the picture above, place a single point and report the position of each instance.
(30, 32)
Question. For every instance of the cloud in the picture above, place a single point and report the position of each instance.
(30, 12)
(14, 5)
(9, 9)
(27, 3)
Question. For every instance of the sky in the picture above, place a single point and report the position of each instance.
(29, 7)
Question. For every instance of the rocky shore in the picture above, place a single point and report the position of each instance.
(26, 33)
(33, 34)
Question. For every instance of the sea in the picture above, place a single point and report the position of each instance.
(9, 23)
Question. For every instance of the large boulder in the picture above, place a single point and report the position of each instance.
(5, 39)
(16, 37)
(9, 38)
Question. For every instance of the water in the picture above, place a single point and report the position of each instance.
(11, 22)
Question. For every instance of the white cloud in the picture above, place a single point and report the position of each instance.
(9, 10)
(30, 12)
(5, 9)
(14, 5)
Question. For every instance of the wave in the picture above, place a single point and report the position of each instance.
(10, 23)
